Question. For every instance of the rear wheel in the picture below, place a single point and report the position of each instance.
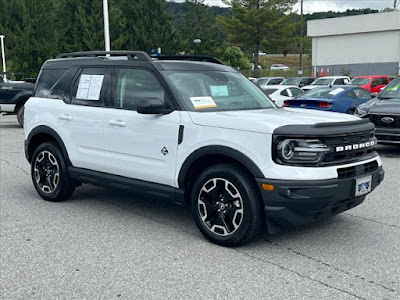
(49, 173)
(20, 115)
(226, 206)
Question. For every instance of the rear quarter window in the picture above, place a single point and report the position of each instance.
(46, 81)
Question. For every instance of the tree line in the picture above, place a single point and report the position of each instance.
(38, 30)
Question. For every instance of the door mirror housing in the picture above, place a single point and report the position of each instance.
(152, 106)
(373, 95)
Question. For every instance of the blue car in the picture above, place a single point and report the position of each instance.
(343, 99)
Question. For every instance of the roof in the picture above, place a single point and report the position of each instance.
(377, 22)
(371, 76)
(168, 65)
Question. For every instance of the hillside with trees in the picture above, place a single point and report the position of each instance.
(41, 29)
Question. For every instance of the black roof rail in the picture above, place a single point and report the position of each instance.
(137, 55)
(190, 58)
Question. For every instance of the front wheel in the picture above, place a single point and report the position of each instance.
(226, 206)
(20, 115)
(49, 173)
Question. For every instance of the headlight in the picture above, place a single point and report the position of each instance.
(297, 151)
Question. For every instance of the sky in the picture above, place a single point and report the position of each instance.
(311, 6)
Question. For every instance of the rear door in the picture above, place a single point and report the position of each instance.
(136, 145)
(83, 117)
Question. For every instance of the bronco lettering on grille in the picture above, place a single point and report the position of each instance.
(355, 146)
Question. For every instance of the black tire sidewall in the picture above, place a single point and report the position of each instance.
(251, 208)
(64, 187)
(20, 115)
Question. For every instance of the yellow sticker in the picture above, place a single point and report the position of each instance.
(203, 102)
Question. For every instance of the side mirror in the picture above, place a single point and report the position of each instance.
(152, 106)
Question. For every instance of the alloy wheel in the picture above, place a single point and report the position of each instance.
(220, 206)
(47, 172)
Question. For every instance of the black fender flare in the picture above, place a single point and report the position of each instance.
(21, 98)
(42, 129)
(217, 150)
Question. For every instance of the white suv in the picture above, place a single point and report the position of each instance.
(194, 132)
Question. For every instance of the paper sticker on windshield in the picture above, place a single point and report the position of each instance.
(89, 87)
(336, 91)
(203, 102)
(219, 90)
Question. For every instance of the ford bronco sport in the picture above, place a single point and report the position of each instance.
(195, 132)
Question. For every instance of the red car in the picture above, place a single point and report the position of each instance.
(372, 83)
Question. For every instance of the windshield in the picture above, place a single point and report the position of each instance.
(360, 81)
(291, 81)
(217, 91)
(323, 81)
(322, 93)
(392, 90)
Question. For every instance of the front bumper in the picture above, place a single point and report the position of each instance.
(388, 135)
(10, 108)
(294, 203)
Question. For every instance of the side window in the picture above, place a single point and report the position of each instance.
(275, 81)
(47, 79)
(296, 92)
(384, 80)
(362, 94)
(339, 81)
(351, 94)
(92, 87)
(285, 93)
(134, 85)
(376, 82)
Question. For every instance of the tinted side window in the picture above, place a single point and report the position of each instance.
(134, 85)
(46, 81)
(296, 92)
(384, 80)
(275, 81)
(285, 93)
(339, 81)
(92, 87)
(376, 81)
(362, 94)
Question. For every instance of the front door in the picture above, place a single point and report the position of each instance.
(136, 145)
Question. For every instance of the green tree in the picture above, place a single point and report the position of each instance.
(259, 22)
(145, 24)
(236, 58)
(198, 22)
(31, 36)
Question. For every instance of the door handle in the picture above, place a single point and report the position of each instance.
(65, 117)
(117, 123)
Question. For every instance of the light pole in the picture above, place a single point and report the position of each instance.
(3, 55)
(196, 42)
(106, 25)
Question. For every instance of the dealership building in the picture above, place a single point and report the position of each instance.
(358, 45)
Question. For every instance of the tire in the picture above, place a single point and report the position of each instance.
(233, 219)
(50, 174)
(20, 115)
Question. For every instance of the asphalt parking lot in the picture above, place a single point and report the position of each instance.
(103, 244)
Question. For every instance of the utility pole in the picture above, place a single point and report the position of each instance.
(301, 39)
(3, 55)
(106, 26)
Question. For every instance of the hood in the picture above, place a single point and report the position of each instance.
(384, 106)
(310, 87)
(266, 120)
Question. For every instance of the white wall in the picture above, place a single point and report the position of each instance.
(371, 47)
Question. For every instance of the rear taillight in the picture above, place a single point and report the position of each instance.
(324, 105)
(286, 104)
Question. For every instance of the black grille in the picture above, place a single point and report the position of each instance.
(350, 172)
(377, 120)
(347, 156)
